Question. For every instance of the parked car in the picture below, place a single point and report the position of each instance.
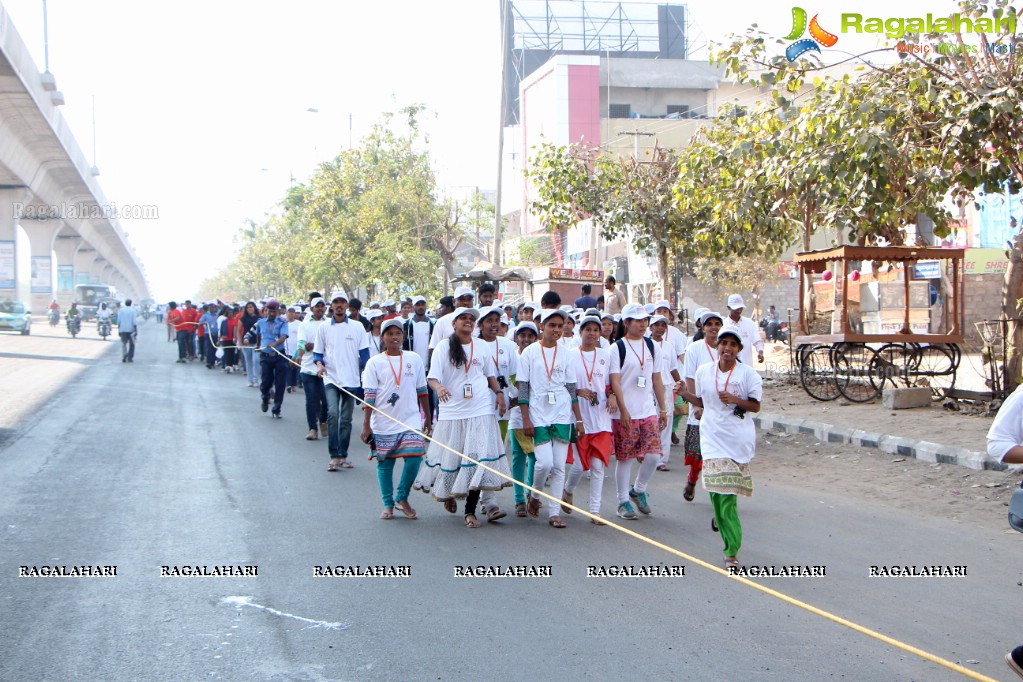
(15, 316)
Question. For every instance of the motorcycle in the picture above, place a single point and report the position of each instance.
(54, 316)
(74, 325)
(779, 334)
(103, 327)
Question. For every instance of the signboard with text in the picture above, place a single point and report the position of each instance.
(42, 275)
(7, 274)
(577, 275)
(985, 261)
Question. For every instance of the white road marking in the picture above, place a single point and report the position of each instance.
(238, 602)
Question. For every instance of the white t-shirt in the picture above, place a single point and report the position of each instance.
(307, 334)
(103, 314)
(505, 360)
(697, 355)
(678, 339)
(722, 434)
(421, 339)
(375, 344)
(639, 364)
(571, 342)
(750, 333)
(1007, 429)
(593, 373)
(340, 343)
(482, 400)
(514, 413)
(290, 343)
(378, 377)
(444, 328)
(535, 363)
(667, 362)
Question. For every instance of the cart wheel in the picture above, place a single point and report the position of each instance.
(934, 367)
(854, 365)
(817, 373)
(892, 366)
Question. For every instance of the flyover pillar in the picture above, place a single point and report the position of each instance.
(84, 258)
(41, 236)
(66, 247)
(13, 284)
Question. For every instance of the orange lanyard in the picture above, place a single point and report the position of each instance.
(397, 375)
(727, 378)
(643, 349)
(710, 352)
(472, 353)
(554, 361)
(592, 369)
(497, 350)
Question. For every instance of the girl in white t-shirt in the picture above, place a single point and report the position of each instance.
(465, 384)
(550, 410)
(669, 378)
(592, 380)
(523, 459)
(395, 385)
(729, 392)
(699, 352)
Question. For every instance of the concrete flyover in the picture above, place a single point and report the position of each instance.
(48, 190)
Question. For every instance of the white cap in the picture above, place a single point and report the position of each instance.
(374, 304)
(373, 314)
(634, 311)
(505, 320)
(393, 322)
(418, 299)
(294, 309)
(735, 302)
(566, 309)
(526, 325)
(336, 294)
(317, 301)
(464, 291)
(649, 308)
(532, 305)
(662, 304)
(490, 310)
(462, 311)
(547, 314)
(389, 303)
(707, 314)
(589, 318)
(537, 313)
(733, 330)
(658, 318)
(698, 313)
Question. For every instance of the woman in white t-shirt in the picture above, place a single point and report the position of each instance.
(669, 378)
(592, 366)
(396, 396)
(523, 459)
(465, 384)
(728, 391)
(376, 319)
(550, 408)
(699, 352)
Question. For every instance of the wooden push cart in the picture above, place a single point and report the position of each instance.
(864, 342)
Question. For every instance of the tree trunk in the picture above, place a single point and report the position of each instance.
(1012, 292)
(662, 272)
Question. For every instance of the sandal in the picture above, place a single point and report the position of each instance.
(520, 510)
(533, 507)
(495, 514)
(663, 467)
(405, 508)
(345, 464)
(387, 513)
(714, 525)
(689, 492)
(450, 505)
(556, 522)
(471, 521)
(567, 498)
(333, 465)
(732, 564)
(597, 522)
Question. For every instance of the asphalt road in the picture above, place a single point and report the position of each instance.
(152, 463)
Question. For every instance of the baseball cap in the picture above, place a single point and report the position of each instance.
(735, 302)
(658, 318)
(464, 291)
(505, 320)
(393, 322)
(526, 325)
(294, 309)
(566, 308)
(373, 314)
(634, 311)
(649, 308)
(272, 305)
(586, 320)
(732, 331)
(708, 314)
(389, 303)
(547, 314)
(490, 310)
(463, 311)
(317, 301)
(698, 313)
(662, 304)
(418, 299)
(338, 294)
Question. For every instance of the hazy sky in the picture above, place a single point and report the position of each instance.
(201, 107)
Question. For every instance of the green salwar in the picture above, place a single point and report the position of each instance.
(726, 513)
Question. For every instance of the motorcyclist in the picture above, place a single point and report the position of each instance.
(54, 313)
(103, 315)
(773, 323)
(74, 316)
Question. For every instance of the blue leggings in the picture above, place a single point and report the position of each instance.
(385, 474)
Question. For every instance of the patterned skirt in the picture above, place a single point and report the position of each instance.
(692, 444)
(641, 439)
(404, 444)
(448, 475)
(727, 477)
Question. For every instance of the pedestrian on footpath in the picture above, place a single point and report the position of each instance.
(340, 352)
(748, 330)
(592, 367)
(729, 392)
(245, 337)
(504, 357)
(466, 385)
(395, 388)
(642, 414)
(312, 384)
(550, 410)
(127, 325)
(699, 353)
(176, 321)
(272, 332)
(670, 377)
(523, 458)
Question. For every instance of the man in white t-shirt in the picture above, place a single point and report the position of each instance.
(749, 332)
(418, 329)
(312, 385)
(444, 328)
(340, 352)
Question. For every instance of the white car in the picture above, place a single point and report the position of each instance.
(15, 316)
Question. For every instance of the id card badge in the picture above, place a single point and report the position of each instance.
(467, 391)
(641, 382)
(551, 400)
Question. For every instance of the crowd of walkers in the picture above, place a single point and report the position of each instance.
(480, 396)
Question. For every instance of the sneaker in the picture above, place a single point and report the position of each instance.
(265, 405)
(641, 502)
(312, 435)
(1015, 660)
(626, 511)
(275, 415)
(323, 430)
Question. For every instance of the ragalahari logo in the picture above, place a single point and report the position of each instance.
(817, 35)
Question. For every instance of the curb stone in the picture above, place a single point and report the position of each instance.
(925, 451)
